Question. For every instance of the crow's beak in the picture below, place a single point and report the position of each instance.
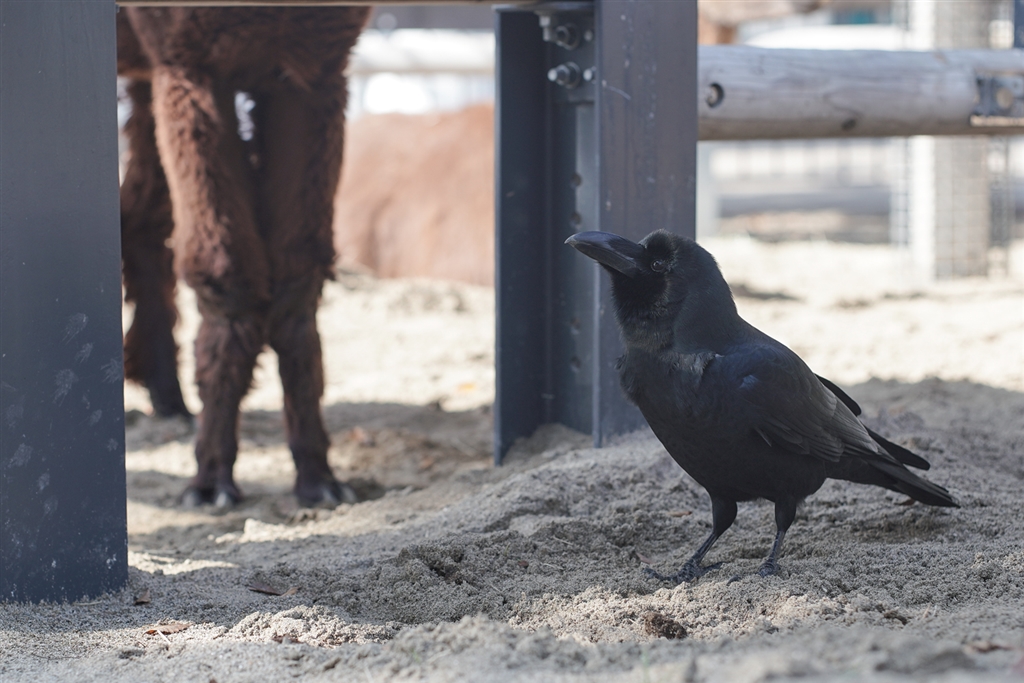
(609, 250)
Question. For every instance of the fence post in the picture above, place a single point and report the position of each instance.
(948, 178)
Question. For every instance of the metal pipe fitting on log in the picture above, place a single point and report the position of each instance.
(749, 93)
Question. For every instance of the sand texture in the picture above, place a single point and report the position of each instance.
(454, 570)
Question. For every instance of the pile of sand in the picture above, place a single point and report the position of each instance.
(456, 570)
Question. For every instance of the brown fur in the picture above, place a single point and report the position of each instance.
(251, 220)
(417, 196)
(150, 353)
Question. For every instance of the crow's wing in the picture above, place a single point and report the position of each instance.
(773, 393)
(789, 407)
(899, 452)
(841, 395)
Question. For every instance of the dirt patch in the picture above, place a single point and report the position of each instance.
(452, 569)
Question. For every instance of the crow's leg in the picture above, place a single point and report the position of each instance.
(723, 514)
(785, 513)
(300, 133)
(220, 252)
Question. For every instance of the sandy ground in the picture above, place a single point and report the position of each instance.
(453, 570)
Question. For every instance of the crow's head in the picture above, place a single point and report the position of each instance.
(668, 290)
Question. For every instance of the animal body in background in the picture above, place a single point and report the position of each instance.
(739, 411)
(245, 220)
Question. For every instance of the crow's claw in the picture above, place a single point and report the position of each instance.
(691, 571)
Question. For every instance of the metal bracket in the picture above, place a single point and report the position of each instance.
(1000, 101)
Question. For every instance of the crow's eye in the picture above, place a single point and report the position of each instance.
(658, 266)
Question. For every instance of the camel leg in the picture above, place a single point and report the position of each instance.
(220, 253)
(295, 338)
(150, 352)
(301, 133)
(226, 351)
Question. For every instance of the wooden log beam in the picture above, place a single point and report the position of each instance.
(748, 93)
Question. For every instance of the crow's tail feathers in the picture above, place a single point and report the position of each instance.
(899, 452)
(919, 489)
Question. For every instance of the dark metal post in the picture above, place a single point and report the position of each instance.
(647, 128)
(62, 479)
(521, 219)
(596, 130)
(1018, 23)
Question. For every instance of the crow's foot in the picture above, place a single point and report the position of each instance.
(769, 568)
(691, 571)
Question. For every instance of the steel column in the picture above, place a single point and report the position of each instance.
(647, 133)
(1018, 23)
(596, 130)
(521, 233)
(62, 478)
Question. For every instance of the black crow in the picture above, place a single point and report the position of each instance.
(740, 412)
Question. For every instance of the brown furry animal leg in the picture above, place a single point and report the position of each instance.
(150, 352)
(297, 344)
(221, 254)
(226, 352)
(301, 132)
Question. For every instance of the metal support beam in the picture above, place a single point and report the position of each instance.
(596, 130)
(62, 479)
(1018, 24)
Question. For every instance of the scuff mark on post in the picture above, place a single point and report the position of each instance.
(64, 380)
(76, 324)
(15, 413)
(113, 371)
(21, 456)
(84, 353)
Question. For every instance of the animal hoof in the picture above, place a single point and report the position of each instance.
(192, 498)
(348, 494)
(225, 500)
(769, 568)
(326, 494)
(223, 497)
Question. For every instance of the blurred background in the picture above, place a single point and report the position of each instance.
(434, 62)
(419, 170)
(893, 258)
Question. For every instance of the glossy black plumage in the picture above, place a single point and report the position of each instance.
(739, 411)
